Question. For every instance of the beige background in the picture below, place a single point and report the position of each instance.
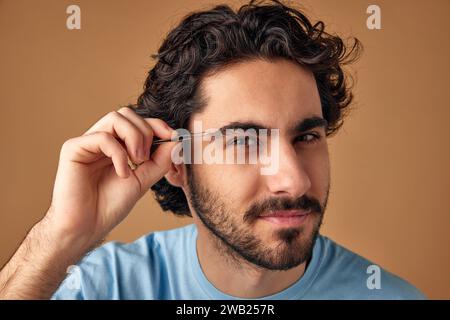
(390, 176)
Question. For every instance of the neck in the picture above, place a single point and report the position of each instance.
(235, 276)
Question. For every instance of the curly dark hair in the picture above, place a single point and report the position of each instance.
(208, 41)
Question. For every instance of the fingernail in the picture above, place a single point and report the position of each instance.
(131, 166)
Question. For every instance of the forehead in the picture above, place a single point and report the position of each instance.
(276, 93)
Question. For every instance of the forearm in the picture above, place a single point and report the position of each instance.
(38, 266)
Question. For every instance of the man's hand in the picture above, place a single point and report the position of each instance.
(94, 188)
(94, 191)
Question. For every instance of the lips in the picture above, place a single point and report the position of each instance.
(286, 213)
(286, 218)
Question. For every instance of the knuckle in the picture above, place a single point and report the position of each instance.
(125, 110)
(112, 115)
(67, 144)
(103, 136)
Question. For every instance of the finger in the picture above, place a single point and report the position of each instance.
(120, 127)
(143, 126)
(160, 128)
(87, 148)
(159, 164)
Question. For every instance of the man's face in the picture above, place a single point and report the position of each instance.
(261, 218)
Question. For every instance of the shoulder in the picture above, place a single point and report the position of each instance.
(150, 246)
(109, 271)
(359, 278)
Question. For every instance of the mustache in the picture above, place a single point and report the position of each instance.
(277, 204)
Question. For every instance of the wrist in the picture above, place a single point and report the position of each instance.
(54, 245)
(39, 265)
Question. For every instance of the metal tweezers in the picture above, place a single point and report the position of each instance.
(157, 142)
(182, 138)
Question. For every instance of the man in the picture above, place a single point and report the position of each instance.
(254, 235)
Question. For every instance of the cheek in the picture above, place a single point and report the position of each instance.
(317, 166)
(237, 184)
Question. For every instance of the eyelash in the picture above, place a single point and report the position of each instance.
(315, 138)
(236, 139)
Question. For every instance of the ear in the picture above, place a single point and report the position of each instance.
(176, 175)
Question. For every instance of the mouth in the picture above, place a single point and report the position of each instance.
(286, 218)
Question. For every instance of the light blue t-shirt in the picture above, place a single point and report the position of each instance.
(164, 265)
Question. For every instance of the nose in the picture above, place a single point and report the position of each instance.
(291, 179)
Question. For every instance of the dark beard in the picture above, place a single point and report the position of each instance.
(236, 241)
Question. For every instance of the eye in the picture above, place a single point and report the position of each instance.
(308, 138)
(243, 141)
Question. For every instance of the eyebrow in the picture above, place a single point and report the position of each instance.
(302, 126)
(311, 123)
